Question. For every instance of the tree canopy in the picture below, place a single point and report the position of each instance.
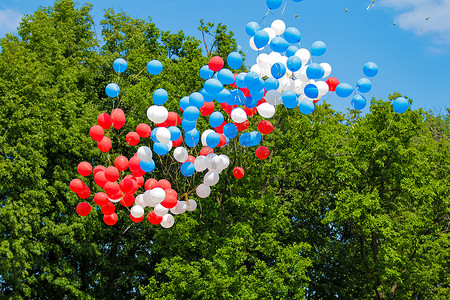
(347, 205)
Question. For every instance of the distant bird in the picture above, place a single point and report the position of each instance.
(420, 30)
(346, 9)
(368, 7)
(395, 23)
(427, 18)
(296, 16)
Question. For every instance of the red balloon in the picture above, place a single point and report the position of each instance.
(207, 108)
(206, 150)
(332, 82)
(97, 133)
(98, 169)
(84, 168)
(108, 208)
(139, 180)
(164, 184)
(117, 195)
(111, 189)
(101, 199)
(242, 126)
(110, 219)
(238, 172)
(172, 120)
(105, 144)
(83, 209)
(219, 129)
(121, 163)
(223, 140)
(126, 185)
(250, 111)
(112, 174)
(77, 185)
(84, 194)
(154, 219)
(260, 102)
(138, 173)
(233, 85)
(127, 200)
(227, 108)
(171, 192)
(143, 130)
(315, 100)
(104, 120)
(265, 127)
(216, 63)
(136, 220)
(118, 118)
(132, 138)
(190, 159)
(170, 201)
(246, 92)
(177, 142)
(100, 179)
(262, 152)
(134, 164)
(150, 184)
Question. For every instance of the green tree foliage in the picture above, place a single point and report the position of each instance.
(346, 206)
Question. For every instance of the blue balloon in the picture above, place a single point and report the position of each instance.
(292, 35)
(225, 76)
(187, 125)
(274, 4)
(230, 130)
(318, 48)
(315, 71)
(120, 65)
(234, 59)
(191, 113)
(191, 137)
(224, 96)
(311, 91)
(207, 96)
(184, 102)
(271, 84)
(278, 44)
(160, 148)
(160, 96)
(358, 102)
(251, 102)
(245, 139)
(216, 119)
(261, 38)
(251, 79)
(278, 70)
(205, 72)
(239, 80)
(400, 105)
(306, 106)
(344, 90)
(290, 99)
(196, 99)
(212, 139)
(291, 50)
(154, 67)
(175, 133)
(153, 135)
(251, 29)
(294, 63)
(213, 86)
(257, 94)
(256, 138)
(238, 97)
(187, 169)
(363, 85)
(370, 69)
(147, 166)
(112, 90)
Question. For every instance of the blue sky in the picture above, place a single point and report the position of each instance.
(408, 39)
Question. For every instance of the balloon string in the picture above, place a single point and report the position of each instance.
(264, 17)
(285, 3)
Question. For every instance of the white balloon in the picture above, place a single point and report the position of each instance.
(257, 69)
(160, 210)
(163, 135)
(203, 191)
(167, 221)
(137, 211)
(278, 26)
(145, 153)
(151, 112)
(327, 69)
(323, 88)
(180, 154)
(299, 86)
(180, 208)
(201, 163)
(286, 84)
(304, 55)
(251, 42)
(238, 115)
(140, 200)
(147, 199)
(191, 205)
(225, 160)
(273, 97)
(275, 57)
(170, 145)
(271, 33)
(204, 135)
(157, 195)
(301, 74)
(263, 58)
(216, 164)
(211, 178)
(115, 200)
(266, 110)
(157, 114)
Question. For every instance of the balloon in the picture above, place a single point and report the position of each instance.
(318, 48)
(363, 85)
(207, 97)
(306, 106)
(111, 174)
(256, 138)
(294, 63)
(234, 59)
(112, 90)
(238, 115)
(191, 205)
(278, 26)
(191, 113)
(118, 118)
(245, 139)
(100, 179)
(238, 172)
(358, 102)
(137, 211)
(132, 138)
(184, 103)
(225, 76)
(289, 99)
(196, 99)
(143, 130)
(206, 72)
(262, 152)
(157, 114)
(120, 65)
(240, 80)
(265, 127)
(84, 168)
(242, 126)
(215, 63)
(370, 69)
(213, 139)
(180, 154)
(164, 184)
(97, 133)
(271, 84)
(314, 71)
(154, 219)
(290, 51)
(279, 44)
(203, 191)
(187, 169)
(311, 91)
(154, 67)
(223, 96)
(191, 137)
(127, 200)
(266, 110)
(136, 220)
(400, 105)
(188, 125)
(274, 4)
(167, 221)
(251, 29)
(251, 79)
(101, 199)
(110, 219)
(216, 119)
(173, 119)
(207, 108)
(323, 88)
(170, 201)
(211, 178)
(77, 185)
(274, 97)
(111, 188)
(213, 86)
(332, 83)
(326, 68)
(261, 38)
(126, 185)
(105, 144)
(344, 90)
(145, 153)
(237, 97)
(278, 70)
(161, 148)
(304, 55)
(104, 120)
(230, 130)
(175, 133)
(160, 96)
(292, 35)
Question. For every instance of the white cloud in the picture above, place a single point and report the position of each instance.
(9, 20)
(428, 17)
